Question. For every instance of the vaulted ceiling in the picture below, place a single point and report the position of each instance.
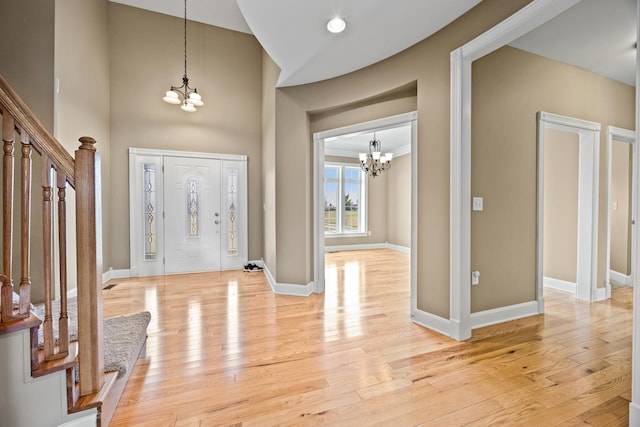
(294, 33)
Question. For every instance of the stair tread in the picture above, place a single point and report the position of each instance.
(15, 325)
(46, 367)
(95, 400)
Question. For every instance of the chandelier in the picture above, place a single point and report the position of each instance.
(186, 97)
(375, 161)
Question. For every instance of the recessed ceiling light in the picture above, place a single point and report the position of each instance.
(336, 25)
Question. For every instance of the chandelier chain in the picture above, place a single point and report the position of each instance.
(185, 38)
(187, 97)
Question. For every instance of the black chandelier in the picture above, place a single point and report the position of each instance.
(186, 97)
(375, 161)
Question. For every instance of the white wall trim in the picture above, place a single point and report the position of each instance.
(399, 248)
(634, 407)
(529, 17)
(116, 274)
(191, 154)
(634, 415)
(287, 288)
(559, 285)
(431, 321)
(503, 314)
(619, 278)
(318, 190)
(600, 294)
(385, 122)
(628, 136)
(85, 421)
(366, 246)
(588, 193)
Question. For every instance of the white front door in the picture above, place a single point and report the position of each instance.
(192, 214)
(188, 211)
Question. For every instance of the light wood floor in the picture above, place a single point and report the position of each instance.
(223, 350)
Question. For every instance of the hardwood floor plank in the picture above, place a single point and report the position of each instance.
(224, 350)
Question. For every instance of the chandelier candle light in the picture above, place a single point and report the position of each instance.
(188, 98)
(375, 161)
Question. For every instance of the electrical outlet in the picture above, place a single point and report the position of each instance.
(475, 277)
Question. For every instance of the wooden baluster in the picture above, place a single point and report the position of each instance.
(89, 260)
(25, 231)
(63, 331)
(8, 137)
(46, 245)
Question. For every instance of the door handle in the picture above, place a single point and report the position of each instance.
(217, 222)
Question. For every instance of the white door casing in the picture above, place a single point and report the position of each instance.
(318, 190)
(224, 246)
(628, 136)
(526, 19)
(588, 167)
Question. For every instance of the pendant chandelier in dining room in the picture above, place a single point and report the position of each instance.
(375, 161)
(185, 96)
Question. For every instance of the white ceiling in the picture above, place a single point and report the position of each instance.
(595, 35)
(395, 139)
(294, 34)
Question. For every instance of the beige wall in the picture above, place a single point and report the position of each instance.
(82, 99)
(509, 88)
(26, 46)
(399, 201)
(146, 57)
(63, 38)
(560, 260)
(619, 207)
(428, 64)
(26, 49)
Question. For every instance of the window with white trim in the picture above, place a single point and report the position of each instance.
(345, 201)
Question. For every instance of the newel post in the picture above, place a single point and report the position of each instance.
(89, 256)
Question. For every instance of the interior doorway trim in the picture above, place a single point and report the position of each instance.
(588, 187)
(628, 136)
(529, 17)
(318, 193)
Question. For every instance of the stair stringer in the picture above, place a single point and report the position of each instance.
(33, 402)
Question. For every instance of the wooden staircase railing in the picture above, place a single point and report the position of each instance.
(60, 169)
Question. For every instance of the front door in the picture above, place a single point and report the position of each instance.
(188, 212)
(192, 214)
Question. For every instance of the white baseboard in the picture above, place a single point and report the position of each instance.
(433, 322)
(503, 314)
(560, 285)
(85, 421)
(600, 294)
(366, 246)
(286, 288)
(634, 415)
(619, 278)
(355, 247)
(399, 248)
(115, 274)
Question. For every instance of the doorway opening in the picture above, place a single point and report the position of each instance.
(352, 209)
(621, 168)
(568, 150)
